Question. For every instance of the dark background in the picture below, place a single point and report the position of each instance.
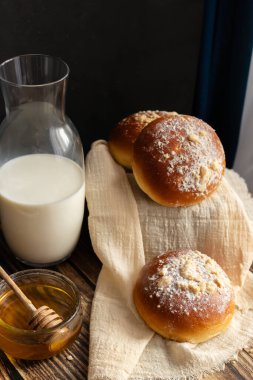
(124, 55)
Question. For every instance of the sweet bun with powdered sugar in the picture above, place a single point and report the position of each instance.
(184, 295)
(178, 160)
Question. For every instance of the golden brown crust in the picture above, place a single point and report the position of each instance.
(124, 134)
(178, 160)
(184, 295)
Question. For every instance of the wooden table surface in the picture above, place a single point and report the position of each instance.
(83, 267)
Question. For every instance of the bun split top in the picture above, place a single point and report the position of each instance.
(178, 160)
(184, 295)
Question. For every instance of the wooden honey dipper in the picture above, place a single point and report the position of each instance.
(41, 318)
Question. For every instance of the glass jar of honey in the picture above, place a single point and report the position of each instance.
(42, 287)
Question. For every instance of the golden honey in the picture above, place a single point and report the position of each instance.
(45, 288)
(13, 312)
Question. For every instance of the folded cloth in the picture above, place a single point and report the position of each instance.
(126, 229)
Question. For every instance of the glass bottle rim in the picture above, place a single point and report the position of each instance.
(13, 83)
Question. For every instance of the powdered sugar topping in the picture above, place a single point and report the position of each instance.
(133, 124)
(186, 146)
(187, 281)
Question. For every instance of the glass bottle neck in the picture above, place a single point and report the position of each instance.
(17, 95)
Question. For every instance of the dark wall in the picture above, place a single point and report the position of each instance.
(124, 55)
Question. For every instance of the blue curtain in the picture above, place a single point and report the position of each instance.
(225, 54)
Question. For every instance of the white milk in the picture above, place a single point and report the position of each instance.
(41, 206)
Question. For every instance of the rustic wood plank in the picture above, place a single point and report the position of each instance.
(70, 364)
(241, 368)
(7, 369)
(246, 360)
(83, 259)
(226, 374)
(85, 262)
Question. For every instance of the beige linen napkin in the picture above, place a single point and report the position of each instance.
(126, 229)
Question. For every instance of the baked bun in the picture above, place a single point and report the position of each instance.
(185, 296)
(124, 134)
(178, 160)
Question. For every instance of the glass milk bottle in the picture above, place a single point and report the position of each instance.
(42, 184)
